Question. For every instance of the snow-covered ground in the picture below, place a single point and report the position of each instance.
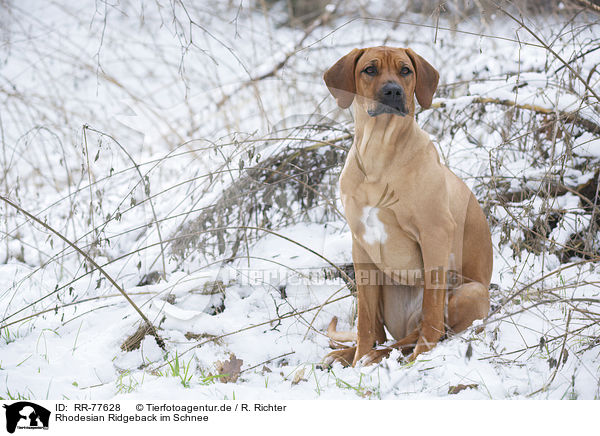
(135, 131)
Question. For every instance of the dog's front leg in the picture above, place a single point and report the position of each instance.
(435, 241)
(368, 280)
(370, 331)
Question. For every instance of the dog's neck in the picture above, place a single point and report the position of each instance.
(385, 140)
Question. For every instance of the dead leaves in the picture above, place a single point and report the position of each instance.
(230, 370)
(298, 376)
(453, 390)
(134, 341)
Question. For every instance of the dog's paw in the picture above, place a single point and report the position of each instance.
(375, 356)
(344, 356)
(422, 347)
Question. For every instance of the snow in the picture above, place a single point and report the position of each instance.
(154, 96)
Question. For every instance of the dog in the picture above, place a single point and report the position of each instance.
(421, 244)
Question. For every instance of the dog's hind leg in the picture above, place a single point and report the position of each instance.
(471, 300)
(467, 303)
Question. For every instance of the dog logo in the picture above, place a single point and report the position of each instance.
(26, 415)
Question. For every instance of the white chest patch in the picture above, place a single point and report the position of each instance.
(374, 228)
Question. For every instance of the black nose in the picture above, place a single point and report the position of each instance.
(392, 95)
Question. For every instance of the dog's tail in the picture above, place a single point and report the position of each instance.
(339, 336)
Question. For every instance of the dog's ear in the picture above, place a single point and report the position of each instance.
(427, 79)
(340, 78)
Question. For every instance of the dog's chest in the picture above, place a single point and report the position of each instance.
(379, 220)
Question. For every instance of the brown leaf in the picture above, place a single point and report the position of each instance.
(298, 377)
(229, 371)
(456, 389)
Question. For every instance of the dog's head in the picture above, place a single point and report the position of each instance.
(383, 79)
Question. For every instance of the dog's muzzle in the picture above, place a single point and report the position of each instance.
(391, 100)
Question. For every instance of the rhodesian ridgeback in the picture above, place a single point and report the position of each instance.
(421, 245)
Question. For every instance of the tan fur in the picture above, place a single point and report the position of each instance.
(425, 218)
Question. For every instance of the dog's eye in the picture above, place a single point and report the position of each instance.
(405, 71)
(370, 70)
